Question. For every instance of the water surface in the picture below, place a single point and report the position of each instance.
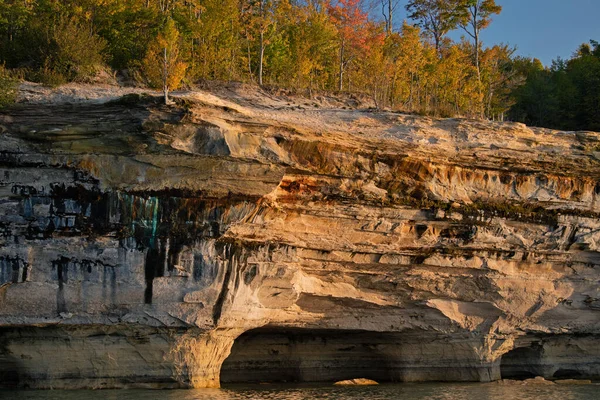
(311, 392)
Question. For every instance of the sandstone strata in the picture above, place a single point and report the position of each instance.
(243, 237)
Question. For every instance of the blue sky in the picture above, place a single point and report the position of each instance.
(544, 29)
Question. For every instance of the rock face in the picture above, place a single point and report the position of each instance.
(243, 237)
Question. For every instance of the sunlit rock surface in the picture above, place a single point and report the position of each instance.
(241, 237)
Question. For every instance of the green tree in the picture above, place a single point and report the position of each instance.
(564, 96)
(14, 28)
(126, 27)
(499, 79)
(260, 17)
(473, 16)
(534, 102)
(436, 17)
(215, 42)
(73, 50)
(579, 91)
(311, 37)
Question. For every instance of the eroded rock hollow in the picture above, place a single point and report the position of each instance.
(245, 238)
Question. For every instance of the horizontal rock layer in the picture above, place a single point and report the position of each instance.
(259, 239)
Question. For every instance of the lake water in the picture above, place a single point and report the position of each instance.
(308, 392)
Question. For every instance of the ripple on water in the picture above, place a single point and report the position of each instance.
(308, 392)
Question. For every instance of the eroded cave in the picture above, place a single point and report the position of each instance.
(307, 355)
(314, 355)
(522, 363)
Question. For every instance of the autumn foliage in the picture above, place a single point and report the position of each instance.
(304, 45)
(162, 67)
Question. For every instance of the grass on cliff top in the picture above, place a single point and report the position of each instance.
(8, 87)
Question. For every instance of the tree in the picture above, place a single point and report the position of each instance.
(409, 57)
(533, 102)
(72, 50)
(473, 16)
(215, 41)
(436, 17)
(351, 22)
(14, 16)
(388, 8)
(300, 44)
(311, 37)
(578, 88)
(162, 66)
(454, 91)
(564, 96)
(499, 78)
(259, 16)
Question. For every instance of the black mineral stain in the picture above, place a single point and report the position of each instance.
(24, 276)
(175, 247)
(62, 266)
(198, 267)
(83, 270)
(163, 226)
(154, 267)
(159, 223)
(13, 269)
(233, 253)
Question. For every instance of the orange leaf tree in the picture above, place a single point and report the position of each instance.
(353, 32)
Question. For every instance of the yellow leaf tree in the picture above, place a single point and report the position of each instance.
(162, 65)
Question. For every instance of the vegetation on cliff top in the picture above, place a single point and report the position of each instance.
(313, 45)
(8, 87)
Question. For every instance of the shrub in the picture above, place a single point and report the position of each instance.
(47, 76)
(8, 87)
(73, 52)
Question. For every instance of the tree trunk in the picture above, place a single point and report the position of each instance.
(341, 73)
(437, 36)
(477, 56)
(261, 58)
(165, 77)
(390, 17)
(478, 67)
(387, 18)
(261, 55)
(249, 60)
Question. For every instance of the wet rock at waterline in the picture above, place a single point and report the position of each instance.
(250, 240)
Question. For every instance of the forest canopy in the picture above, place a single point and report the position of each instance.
(304, 45)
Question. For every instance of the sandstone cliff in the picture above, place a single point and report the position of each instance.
(239, 236)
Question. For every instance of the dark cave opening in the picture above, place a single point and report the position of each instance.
(567, 374)
(522, 363)
(9, 376)
(306, 355)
